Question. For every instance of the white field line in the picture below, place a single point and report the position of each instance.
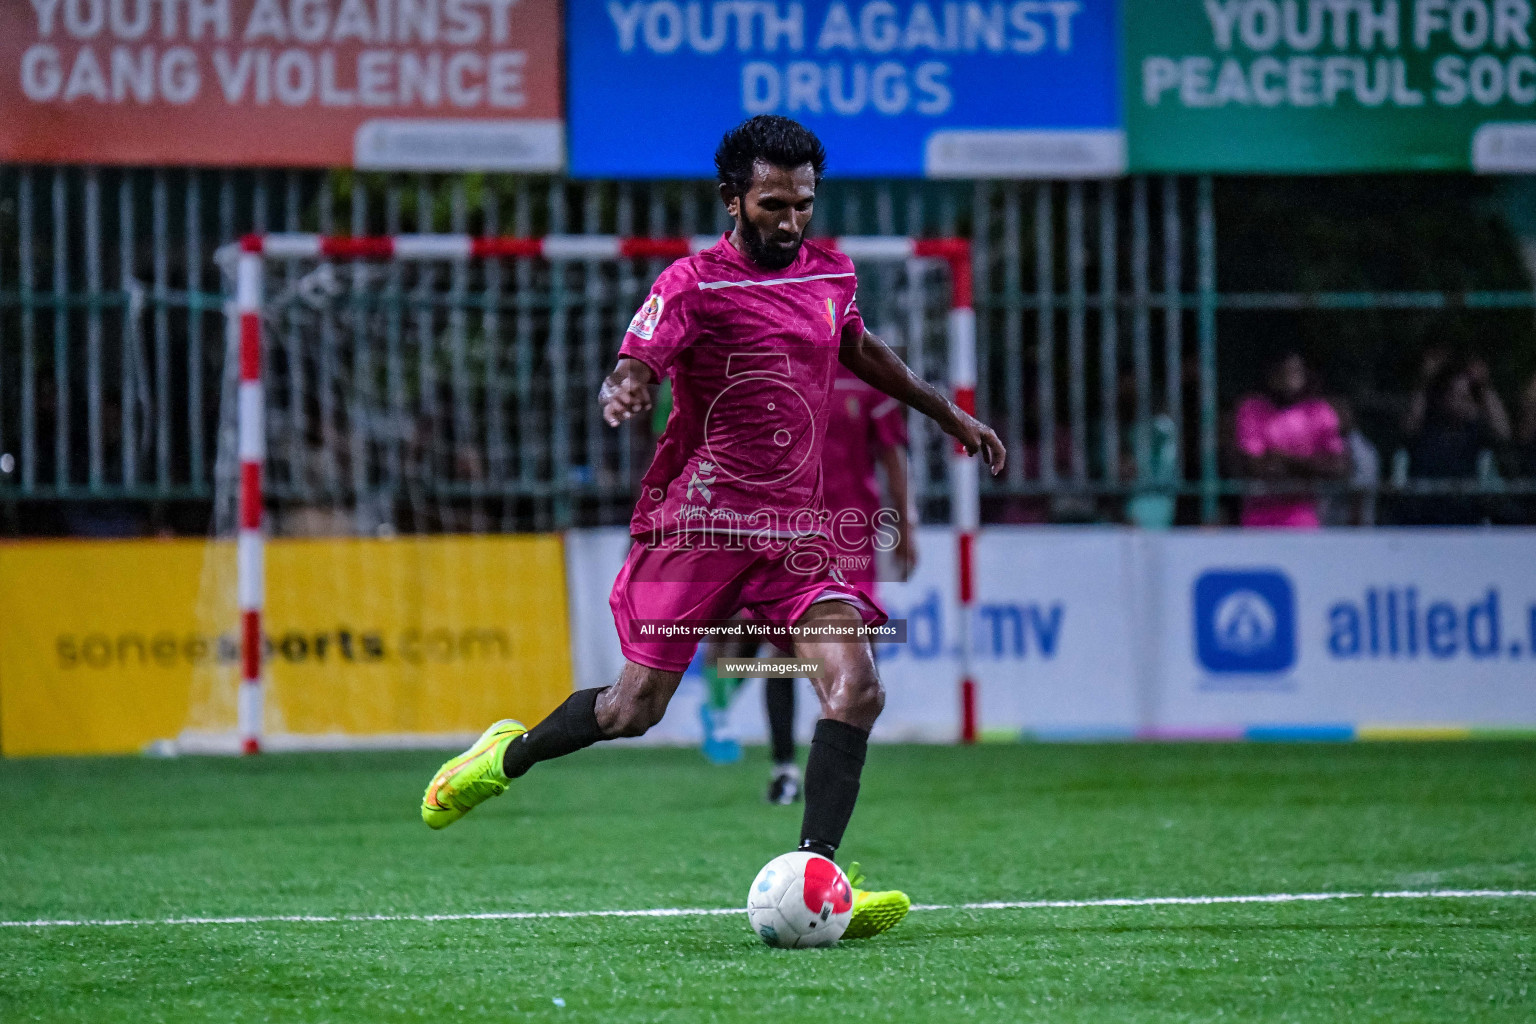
(543, 915)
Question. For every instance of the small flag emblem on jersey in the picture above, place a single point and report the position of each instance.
(832, 315)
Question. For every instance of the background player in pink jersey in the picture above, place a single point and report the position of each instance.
(730, 517)
(866, 428)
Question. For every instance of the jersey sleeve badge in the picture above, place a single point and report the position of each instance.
(644, 323)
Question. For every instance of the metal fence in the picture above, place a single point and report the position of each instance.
(1098, 314)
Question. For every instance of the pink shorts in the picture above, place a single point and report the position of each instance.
(858, 568)
(667, 584)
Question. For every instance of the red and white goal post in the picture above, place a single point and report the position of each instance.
(255, 251)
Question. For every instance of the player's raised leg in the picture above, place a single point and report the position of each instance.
(507, 750)
(654, 585)
(851, 700)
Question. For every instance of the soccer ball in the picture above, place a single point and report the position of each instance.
(799, 900)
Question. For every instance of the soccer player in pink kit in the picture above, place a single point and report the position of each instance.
(730, 516)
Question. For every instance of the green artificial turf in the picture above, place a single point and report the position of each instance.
(631, 829)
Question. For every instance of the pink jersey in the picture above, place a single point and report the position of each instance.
(865, 422)
(1305, 430)
(751, 354)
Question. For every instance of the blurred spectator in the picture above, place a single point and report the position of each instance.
(1151, 461)
(1287, 435)
(1525, 451)
(1149, 458)
(1525, 433)
(1464, 420)
(1357, 508)
(1432, 363)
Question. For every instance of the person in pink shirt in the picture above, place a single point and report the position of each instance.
(730, 516)
(1288, 434)
(868, 428)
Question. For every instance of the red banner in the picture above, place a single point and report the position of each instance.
(414, 84)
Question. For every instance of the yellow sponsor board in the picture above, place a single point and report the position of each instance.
(107, 646)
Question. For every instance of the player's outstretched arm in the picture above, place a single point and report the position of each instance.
(629, 389)
(873, 362)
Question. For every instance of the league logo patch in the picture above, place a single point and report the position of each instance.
(644, 323)
(832, 315)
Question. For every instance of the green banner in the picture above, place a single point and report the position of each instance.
(1330, 85)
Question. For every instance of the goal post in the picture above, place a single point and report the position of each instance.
(252, 325)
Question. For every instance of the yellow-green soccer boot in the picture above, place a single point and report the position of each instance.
(873, 912)
(472, 778)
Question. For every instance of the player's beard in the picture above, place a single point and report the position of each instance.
(764, 253)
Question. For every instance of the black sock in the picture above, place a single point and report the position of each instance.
(831, 784)
(569, 728)
(781, 719)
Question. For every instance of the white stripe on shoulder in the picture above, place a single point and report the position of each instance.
(703, 285)
(849, 308)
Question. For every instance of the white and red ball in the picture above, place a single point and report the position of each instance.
(799, 900)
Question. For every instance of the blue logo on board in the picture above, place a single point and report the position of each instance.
(1245, 621)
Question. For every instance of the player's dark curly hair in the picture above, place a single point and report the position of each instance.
(770, 138)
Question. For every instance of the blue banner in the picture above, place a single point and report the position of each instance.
(895, 88)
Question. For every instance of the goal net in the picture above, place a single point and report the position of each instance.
(406, 425)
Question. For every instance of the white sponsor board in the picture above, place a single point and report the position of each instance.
(1102, 632)
(1051, 631)
(1347, 629)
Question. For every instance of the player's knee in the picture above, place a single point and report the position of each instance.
(857, 697)
(869, 697)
